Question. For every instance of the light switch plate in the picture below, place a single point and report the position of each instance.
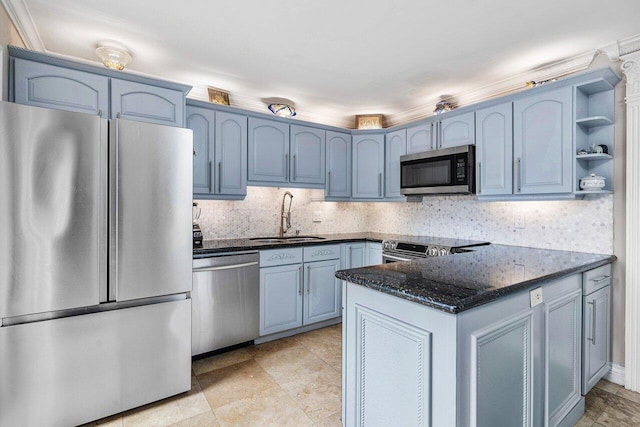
(316, 216)
(535, 295)
(519, 223)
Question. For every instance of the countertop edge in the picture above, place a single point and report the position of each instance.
(470, 302)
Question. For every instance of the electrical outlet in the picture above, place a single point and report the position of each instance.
(519, 220)
(316, 216)
(518, 271)
(535, 295)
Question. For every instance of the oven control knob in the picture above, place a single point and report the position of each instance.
(432, 252)
(444, 252)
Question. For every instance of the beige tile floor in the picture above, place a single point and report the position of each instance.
(296, 382)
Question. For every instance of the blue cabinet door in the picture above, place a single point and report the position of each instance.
(368, 166)
(146, 103)
(268, 156)
(280, 298)
(420, 138)
(457, 130)
(230, 154)
(48, 86)
(307, 155)
(323, 291)
(338, 183)
(395, 146)
(202, 122)
(542, 142)
(494, 150)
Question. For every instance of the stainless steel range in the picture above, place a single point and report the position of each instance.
(424, 247)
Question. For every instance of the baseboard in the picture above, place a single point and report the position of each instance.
(297, 331)
(615, 374)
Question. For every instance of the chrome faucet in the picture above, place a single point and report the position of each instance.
(285, 216)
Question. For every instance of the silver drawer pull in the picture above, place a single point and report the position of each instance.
(600, 279)
(593, 322)
(225, 267)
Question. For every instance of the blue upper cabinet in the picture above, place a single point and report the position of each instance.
(219, 153)
(457, 130)
(395, 146)
(231, 154)
(307, 155)
(49, 86)
(368, 166)
(145, 103)
(268, 151)
(280, 153)
(542, 142)
(338, 181)
(420, 138)
(52, 82)
(202, 122)
(494, 150)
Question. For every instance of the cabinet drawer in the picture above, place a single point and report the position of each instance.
(282, 256)
(321, 253)
(595, 279)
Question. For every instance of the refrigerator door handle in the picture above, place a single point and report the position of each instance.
(103, 239)
(113, 209)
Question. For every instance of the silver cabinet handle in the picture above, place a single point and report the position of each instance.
(210, 177)
(593, 322)
(99, 113)
(300, 281)
(519, 174)
(380, 184)
(220, 177)
(293, 178)
(598, 280)
(309, 279)
(433, 135)
(479, 177)
(225, 267)
(329, 183)
(286, 166)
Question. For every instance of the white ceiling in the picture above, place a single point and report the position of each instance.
(337, 58)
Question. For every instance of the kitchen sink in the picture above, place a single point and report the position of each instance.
(286, 239)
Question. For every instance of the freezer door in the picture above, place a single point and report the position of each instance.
(150, 210)
(53, 211)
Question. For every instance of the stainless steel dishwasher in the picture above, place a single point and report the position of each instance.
(225, 301)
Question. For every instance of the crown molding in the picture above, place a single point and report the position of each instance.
(258, 105)
(21, 17)
(506, 86)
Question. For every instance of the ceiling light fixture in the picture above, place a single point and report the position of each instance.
(113, 55)
(443, 106)
(282, 110)
(533, 83)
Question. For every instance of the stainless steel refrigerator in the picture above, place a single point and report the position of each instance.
(95, 265)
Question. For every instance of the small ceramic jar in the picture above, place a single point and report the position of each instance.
(592, 182)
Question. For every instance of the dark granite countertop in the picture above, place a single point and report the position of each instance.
(462, 281)
(212, 247)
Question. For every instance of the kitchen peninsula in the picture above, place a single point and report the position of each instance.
(492, 336)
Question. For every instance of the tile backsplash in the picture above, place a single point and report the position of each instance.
(573, 225)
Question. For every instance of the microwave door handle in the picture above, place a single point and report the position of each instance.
(433, 135)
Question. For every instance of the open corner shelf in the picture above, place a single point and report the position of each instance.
(594, 156)
(595, 121)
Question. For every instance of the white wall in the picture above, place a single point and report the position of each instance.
(8, 35)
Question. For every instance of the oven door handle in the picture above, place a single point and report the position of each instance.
(395, 257)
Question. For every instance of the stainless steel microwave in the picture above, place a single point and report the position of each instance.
(444, 171)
